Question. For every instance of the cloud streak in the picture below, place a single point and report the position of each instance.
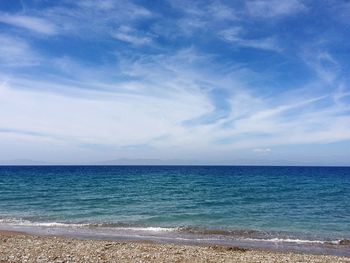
(17, 52)
(233, 36)
(274, 8)
(207, 82)
(35, 24)
(131, 35)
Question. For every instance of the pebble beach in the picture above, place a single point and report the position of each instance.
(20, 247)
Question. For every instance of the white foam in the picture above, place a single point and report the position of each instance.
(26, 223)
(289, 240)
(22, 222)
(150, 229)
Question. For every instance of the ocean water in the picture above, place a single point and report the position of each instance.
(293, 208)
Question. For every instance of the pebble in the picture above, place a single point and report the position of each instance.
(27, 248)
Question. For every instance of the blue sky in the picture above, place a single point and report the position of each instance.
(227, 82)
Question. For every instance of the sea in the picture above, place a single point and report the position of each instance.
(302, 209)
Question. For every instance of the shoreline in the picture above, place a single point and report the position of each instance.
(175, 236)
(18, 246)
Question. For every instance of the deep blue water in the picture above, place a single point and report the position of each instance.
(303, 203)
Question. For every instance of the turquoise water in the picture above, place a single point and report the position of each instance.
(229, 204)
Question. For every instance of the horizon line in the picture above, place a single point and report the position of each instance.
(168, 165)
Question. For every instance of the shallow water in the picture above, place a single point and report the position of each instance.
(290, 207)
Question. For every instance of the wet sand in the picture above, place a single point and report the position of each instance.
(20, 247)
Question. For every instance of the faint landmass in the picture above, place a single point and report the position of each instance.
(150, 161)
(126, 161)
(22, 162)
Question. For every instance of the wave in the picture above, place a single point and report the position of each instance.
(341, 242)
(24, 222)
(197, 233)
(292, 240)
(223, 232)
(120, 226)
(260, 236)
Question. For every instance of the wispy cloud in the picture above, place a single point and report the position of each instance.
(75, 18)
(176, 79)
(145, 99)
(167, 95)
(261, 150)
(274, 8)
(198, 17)
(322, 63)
(233, 36)
(16, 52)
(220, 11)
(35, 24)
(131, 35)
(127, 9)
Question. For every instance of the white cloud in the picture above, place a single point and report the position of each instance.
(131, 35)
(262, 150)
(145, 100)
(300, 122)
(91, 19)
(102, 4)
(268, 43)
(163, 93)
(124, 8)
(274, 8)
(120, 109)
(221, 12)
(233, 36)
(15, 52)
(36, 24)
(195, 16)
(215, 10)
(322, 63)
(341, 93)
(97, 117)
(169, 91)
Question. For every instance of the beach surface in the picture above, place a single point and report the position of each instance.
(20, 247)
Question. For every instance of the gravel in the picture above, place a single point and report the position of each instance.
(27, 248)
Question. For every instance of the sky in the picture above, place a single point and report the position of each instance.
(212, 82)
